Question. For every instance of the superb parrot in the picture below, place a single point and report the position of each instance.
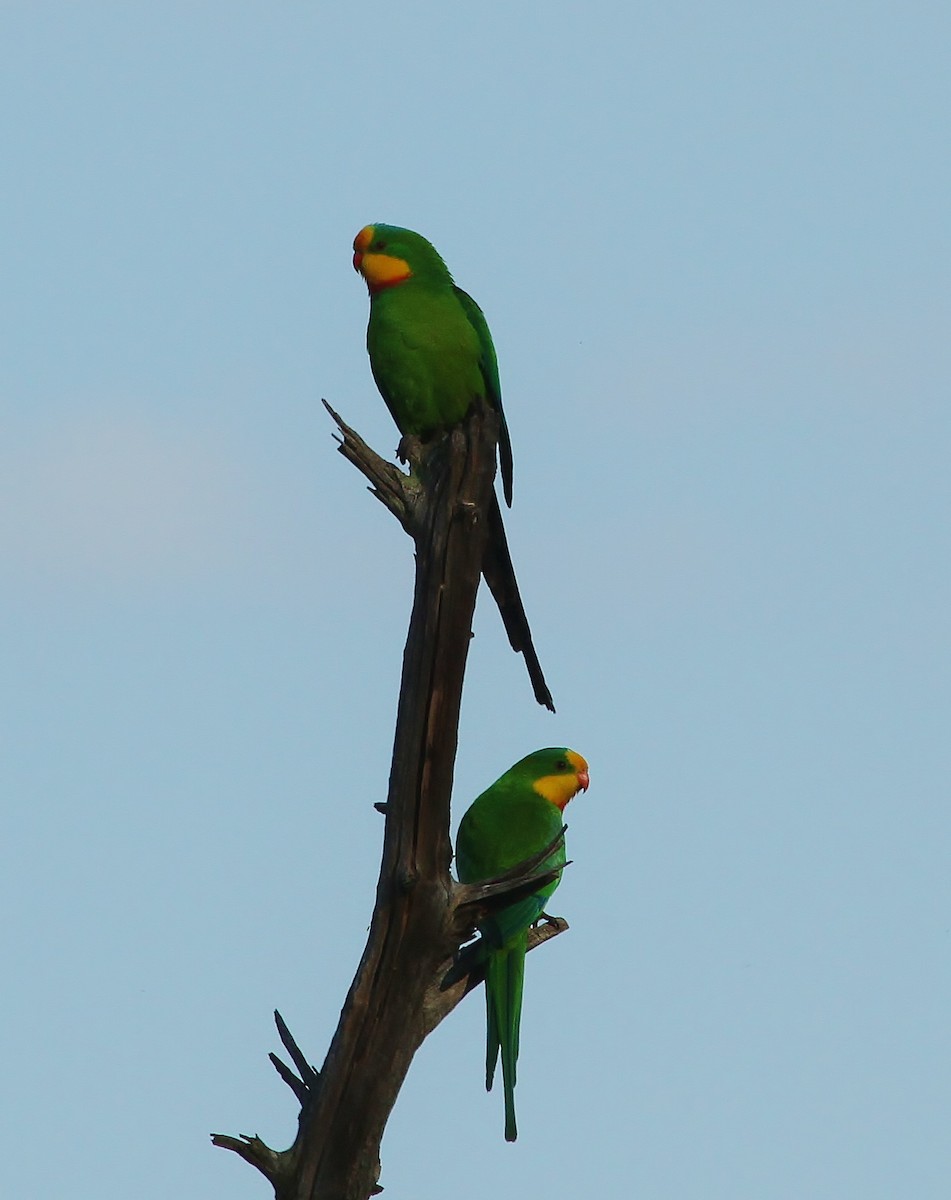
(514, 819)
(431, 355)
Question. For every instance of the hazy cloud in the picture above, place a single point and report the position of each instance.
(118, 500)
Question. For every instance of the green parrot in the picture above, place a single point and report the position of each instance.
(431, 355)
(514, 819)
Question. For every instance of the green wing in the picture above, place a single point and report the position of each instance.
(489, 365)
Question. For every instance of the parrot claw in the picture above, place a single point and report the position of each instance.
(410, 449)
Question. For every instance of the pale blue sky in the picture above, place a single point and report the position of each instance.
(712, 243)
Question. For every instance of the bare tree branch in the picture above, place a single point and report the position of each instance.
(421, 914)
(309, 1075)
(391, 486)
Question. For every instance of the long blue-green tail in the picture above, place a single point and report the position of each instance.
(505, 975)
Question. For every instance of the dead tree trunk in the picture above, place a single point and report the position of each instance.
(421, 915)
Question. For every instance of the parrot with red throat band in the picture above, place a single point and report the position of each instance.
(513, 820)
(432, 355)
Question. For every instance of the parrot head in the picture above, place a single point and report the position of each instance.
(386, 255)
(556, 773)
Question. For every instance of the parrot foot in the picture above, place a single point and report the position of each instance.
(546, 917)
(410, 450)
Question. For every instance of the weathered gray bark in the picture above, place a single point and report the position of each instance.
(421, 915)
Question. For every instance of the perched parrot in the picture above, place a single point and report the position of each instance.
(431, 355)
(516, 818)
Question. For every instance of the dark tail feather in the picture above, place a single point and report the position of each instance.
(500, 576)
(505, 457)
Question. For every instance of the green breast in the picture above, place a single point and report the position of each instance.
(503, 829)
(425, 356)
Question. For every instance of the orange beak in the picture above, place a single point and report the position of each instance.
(581, 769)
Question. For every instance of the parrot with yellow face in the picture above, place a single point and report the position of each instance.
(511, 822)
(432, 356)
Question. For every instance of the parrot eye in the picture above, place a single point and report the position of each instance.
(561, 765)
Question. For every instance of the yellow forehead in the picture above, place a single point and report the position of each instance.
(579, 763)
(364, 238)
